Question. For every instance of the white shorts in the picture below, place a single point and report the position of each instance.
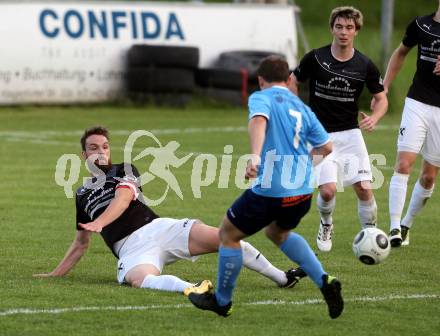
(159, 243)
(348, 163)
(420, 130)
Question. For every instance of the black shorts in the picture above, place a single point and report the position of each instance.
(251, 212)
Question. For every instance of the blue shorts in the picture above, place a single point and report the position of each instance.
(251, 212)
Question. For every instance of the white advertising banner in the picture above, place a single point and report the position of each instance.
(68, 52)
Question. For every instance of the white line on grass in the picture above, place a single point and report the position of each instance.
(392, 297)
(158, 131)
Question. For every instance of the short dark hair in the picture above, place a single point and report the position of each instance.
(95, 130)
(274, 69)
(348, 13)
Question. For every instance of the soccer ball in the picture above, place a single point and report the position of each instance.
(371, 246)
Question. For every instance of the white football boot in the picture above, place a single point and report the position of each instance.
(324, 238)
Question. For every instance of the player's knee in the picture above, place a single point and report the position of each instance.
(276, 235)
(363, 190)
(427, 180)
(136, 282)
(403, 166)
(327, 193)
(198, 221)
(269, 233)
(225, 236)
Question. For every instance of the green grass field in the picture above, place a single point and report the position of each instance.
(398, 297)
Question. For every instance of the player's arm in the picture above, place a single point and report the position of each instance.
(395, 64)
(320, 152)
(76, 250)
(257, 134)
(123, 197)
(379, 106)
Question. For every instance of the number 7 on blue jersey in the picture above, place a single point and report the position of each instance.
(298, 116)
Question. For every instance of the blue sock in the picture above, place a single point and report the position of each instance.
(298, 250)
(229, 265)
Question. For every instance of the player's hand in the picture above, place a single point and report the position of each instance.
(251, 171)
(437, 67)
(252, 168)
(367, 123)
(92, 226)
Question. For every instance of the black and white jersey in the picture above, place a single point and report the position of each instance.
(93, 199)
(425, 33)
(335, 86)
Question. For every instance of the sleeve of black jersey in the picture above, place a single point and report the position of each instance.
(374, 80)
(81, 216)
(304, 69)
(410, 37)
(131, 175)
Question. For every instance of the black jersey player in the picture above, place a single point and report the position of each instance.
(337, 74)
(420, 125)
(112, 205)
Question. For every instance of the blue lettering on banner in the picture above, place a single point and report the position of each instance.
(70, 18)
(100, 24)
(109, 24)
(117, 24)
(174, 28)
(133, 25)
(152, 30)
(48, 13)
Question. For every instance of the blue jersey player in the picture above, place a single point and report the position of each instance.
(280, 128)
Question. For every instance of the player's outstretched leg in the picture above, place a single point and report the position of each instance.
(256, 261)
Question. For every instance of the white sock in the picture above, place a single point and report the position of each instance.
(397, 196)
(254, 260)
(418, 200)
(367, 211)
(165, 282)
(326, 209)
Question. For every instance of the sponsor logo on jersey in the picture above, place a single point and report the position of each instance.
(350, 72)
